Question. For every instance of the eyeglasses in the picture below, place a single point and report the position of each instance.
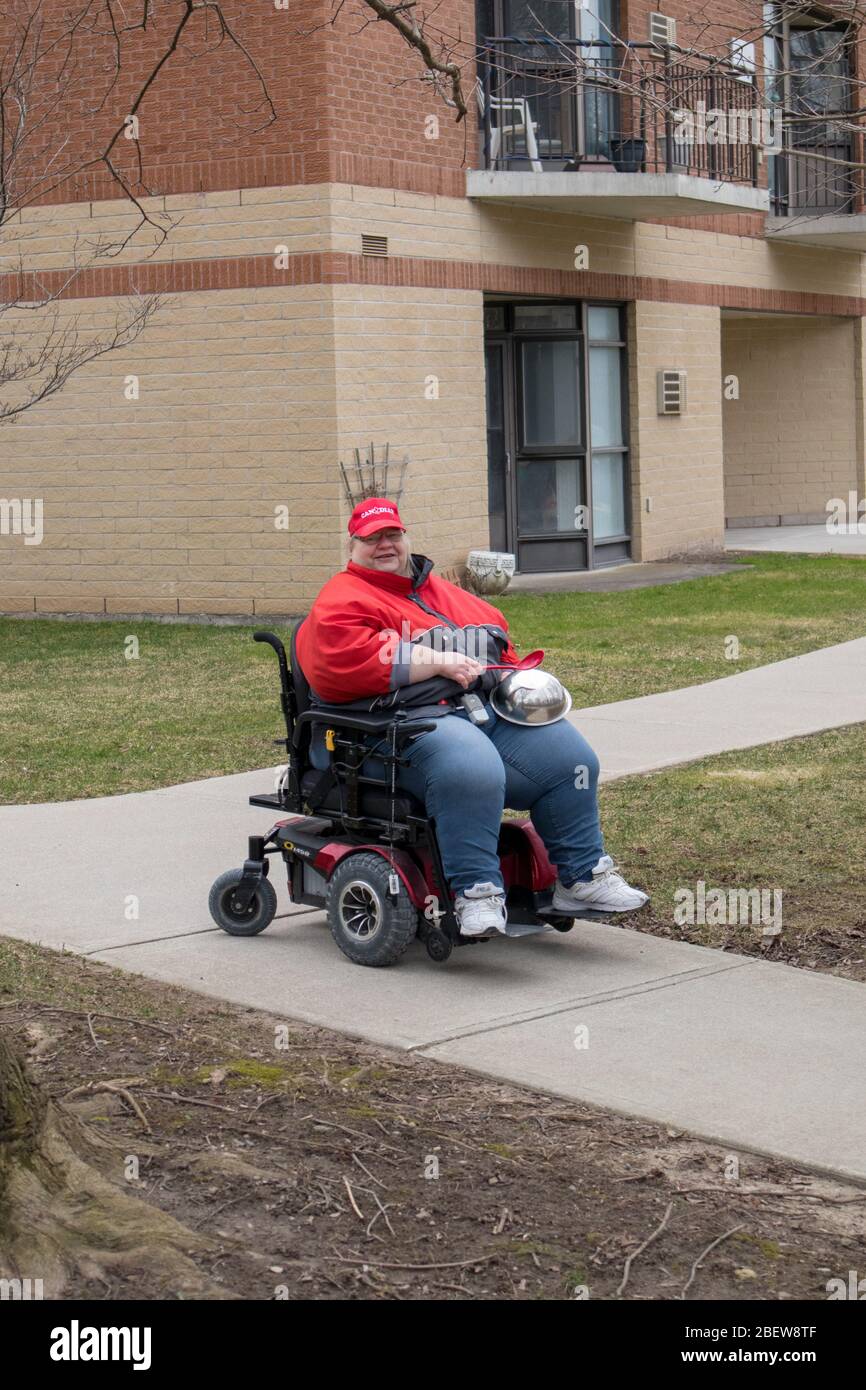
(379, 536)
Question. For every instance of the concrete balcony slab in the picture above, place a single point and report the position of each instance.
(629, 197)
(845, 230)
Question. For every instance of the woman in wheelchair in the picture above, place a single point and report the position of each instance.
(386, 623)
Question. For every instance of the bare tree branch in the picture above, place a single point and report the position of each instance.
(57, 63)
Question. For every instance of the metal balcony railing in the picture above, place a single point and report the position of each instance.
(633, 105)
(817, 174)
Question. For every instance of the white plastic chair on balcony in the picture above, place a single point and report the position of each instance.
(524, 125)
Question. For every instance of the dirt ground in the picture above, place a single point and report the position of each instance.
(320, 1167)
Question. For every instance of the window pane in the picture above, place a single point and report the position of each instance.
(494, 318)
(608, 495)
(605, 401)
(496, 445)
(539, 17)
(545, 316)
(551, 409)
(604, 322)
(819, 68)
(548, 491)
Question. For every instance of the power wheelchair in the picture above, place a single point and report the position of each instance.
(361, 847)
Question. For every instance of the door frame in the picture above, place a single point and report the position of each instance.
(509, 339)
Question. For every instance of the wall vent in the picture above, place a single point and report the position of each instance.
(662, 29)
(373, 245)
(671, 391)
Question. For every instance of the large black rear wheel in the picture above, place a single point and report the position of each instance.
(367, 923)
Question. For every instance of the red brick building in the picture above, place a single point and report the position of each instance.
(495, 297)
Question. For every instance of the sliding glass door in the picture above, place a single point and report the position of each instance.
(556, 444)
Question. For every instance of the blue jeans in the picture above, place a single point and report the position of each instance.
(466, 773)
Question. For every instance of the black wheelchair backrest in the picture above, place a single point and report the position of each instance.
(302, 692)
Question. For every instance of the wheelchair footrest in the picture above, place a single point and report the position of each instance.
(524, 929)
(589, 915)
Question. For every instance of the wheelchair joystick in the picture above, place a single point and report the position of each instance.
(475, 709)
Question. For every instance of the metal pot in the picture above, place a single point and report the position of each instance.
(531, 697)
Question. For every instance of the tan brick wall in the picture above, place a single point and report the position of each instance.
(389, 344)
(322, 217)
(676, 460)
(168, 503)
(791, 439)
(247, 401)
(239, 222)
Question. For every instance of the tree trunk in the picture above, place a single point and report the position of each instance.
(62, 1219)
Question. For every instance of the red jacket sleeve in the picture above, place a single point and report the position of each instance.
(345, 657)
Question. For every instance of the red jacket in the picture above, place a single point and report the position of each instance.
(357, 638)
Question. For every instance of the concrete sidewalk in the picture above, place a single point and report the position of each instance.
(795, 540)
(820, 690)
(752, 1054)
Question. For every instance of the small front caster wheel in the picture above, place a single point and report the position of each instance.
(563, 925)
(248, 921)
(439, 946)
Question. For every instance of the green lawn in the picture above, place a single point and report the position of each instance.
(79, 719)
(786, 816)
(609, 647)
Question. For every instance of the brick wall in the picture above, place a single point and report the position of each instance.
(348, 96)
(167, 503)
(676, 460)
(791, 439)
(389, 344)
(252, 222)
(351, 98)
(247, 400)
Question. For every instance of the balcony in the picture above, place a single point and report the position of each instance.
(615, 129)
(816, 192)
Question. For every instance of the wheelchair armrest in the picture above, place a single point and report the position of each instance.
(364, 723)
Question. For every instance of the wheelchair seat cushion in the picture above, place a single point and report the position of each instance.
(374, 801)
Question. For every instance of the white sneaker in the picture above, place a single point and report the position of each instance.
(607, 892)
(481, 910)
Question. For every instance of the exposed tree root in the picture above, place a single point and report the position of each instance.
(60, 1215)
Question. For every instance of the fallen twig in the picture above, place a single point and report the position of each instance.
(191, 1100)
(633, 1256)
(108, 1086)
(370, 1175)
(94, 1013)
(356, 1209)
(712, 1245)
(382, 1264)
(383, 1211)
(358, 1133)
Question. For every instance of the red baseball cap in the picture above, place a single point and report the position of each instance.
(374, 514)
